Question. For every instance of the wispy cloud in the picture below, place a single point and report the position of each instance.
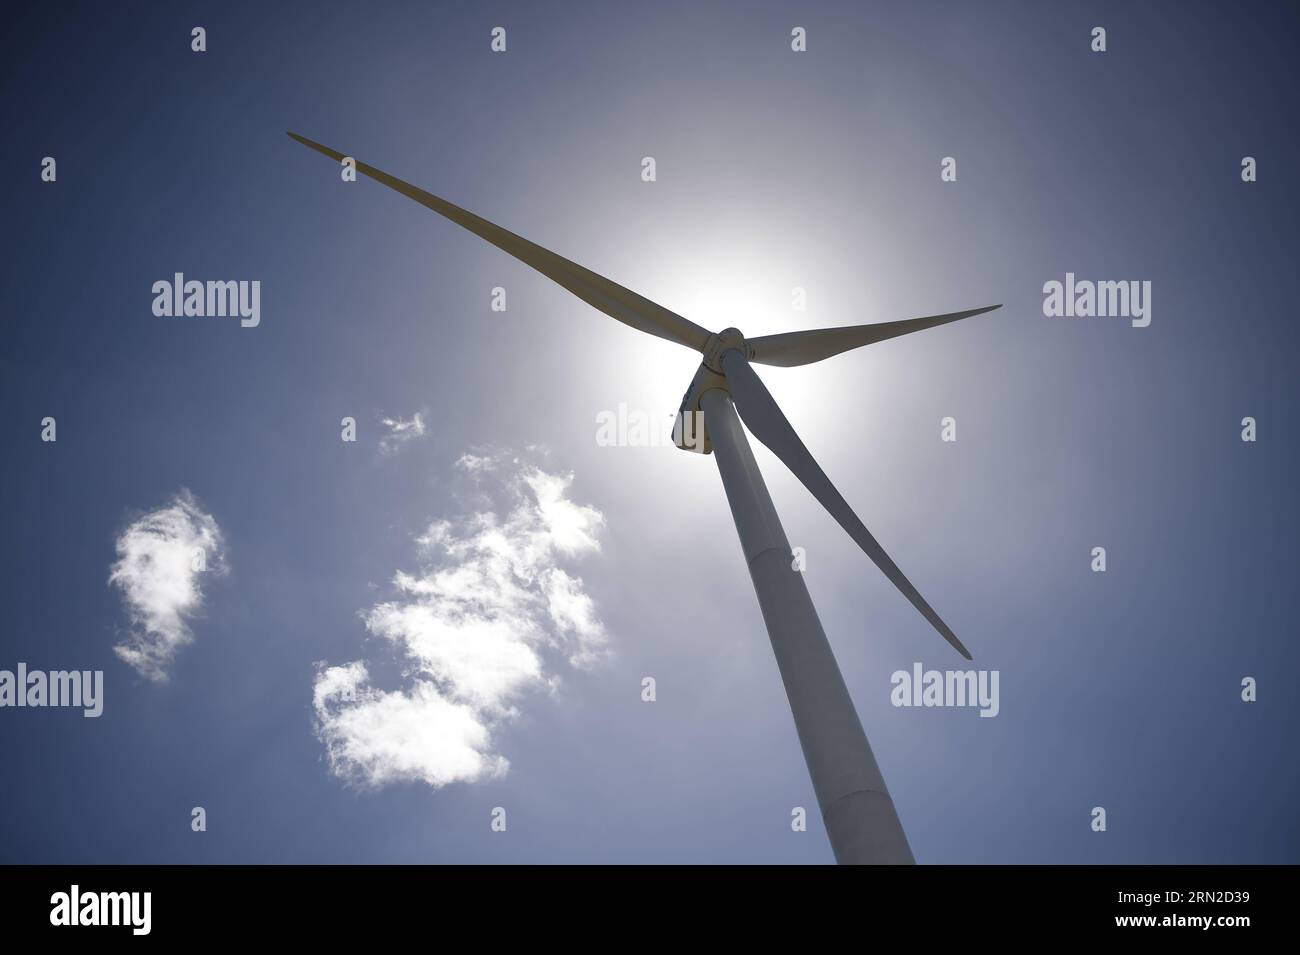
(400, 431)
(160, 558)
(475, 629)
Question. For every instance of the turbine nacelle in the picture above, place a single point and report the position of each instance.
(690, 432)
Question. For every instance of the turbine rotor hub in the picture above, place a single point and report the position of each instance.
(724, 341)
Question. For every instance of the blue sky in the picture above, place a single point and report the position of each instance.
(775, 170)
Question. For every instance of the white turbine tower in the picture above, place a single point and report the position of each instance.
(860, 818)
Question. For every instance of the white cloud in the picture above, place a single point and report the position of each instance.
(475, 630)
(400, 432)
(160, 557)
(379, 738)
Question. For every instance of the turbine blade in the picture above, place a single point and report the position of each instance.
(596, 290)
(804, 348)
(769, 424)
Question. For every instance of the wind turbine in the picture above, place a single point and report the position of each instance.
(859, 814)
